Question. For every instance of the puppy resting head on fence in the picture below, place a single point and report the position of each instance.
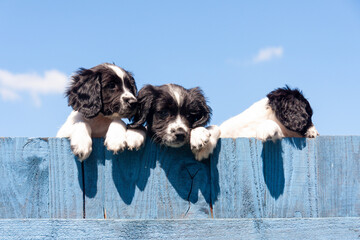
(176, 116)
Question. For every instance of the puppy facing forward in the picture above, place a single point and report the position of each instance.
(284, 112)
(176, 116)
(100, 97)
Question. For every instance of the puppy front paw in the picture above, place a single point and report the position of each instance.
(312, 132)
(81, 146)
(199, 137)
(203, 141)
(115, 143)
(269, 130)
(115, 139)
(135, 138)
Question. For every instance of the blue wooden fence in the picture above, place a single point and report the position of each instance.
(293, 189)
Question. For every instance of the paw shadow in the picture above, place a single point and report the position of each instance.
(273, 164)
(88, 169)
(131, 169)
(186, 175)
(273, 168)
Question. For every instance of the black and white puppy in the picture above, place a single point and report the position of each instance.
(176, 116)
(100, 97)
(284, 112)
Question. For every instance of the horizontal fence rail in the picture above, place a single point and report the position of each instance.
(244, 180)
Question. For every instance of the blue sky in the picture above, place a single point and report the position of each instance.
(236, 51)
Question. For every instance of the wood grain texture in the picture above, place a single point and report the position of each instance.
(290, 178)
(154, 183)
(24, 173)
(308, 178)
(338, 161)
(94, 186)
(296, 228)
(66, 181)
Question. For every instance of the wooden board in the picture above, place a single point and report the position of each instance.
(289, 178)
(296, 228)
(244, 179)
(24, 174)
(66, 198)
(162, 182)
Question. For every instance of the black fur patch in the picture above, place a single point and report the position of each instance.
(98, 90)
(291, 109)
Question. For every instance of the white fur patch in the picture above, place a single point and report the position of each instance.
(177, 124)
(121, 74)
(175, 91)
(203, 141)
(135, 138)
(117, 70)
(269, 130)
(246, 123)
(312, 132)
(79, 131)
(116, 136)
(199, 137)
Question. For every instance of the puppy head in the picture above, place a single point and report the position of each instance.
(170, 112)
(291, 109)
(106, 89)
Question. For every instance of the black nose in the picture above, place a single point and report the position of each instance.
(180, 137)
(179, 133)
(130, 101)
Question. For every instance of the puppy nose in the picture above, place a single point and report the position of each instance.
(130, 101)
(180, 134)
(180, 137)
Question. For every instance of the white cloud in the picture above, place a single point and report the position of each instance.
(8, 95)
(267, 54)
(52, 82)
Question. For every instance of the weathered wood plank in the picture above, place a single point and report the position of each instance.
(66, 181)
(24, 172)
(94, 184)
(339, 176)
(295, 228)
(289, 178)
(156, 183)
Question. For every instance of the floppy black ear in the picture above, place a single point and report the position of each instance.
(84, 94)
(132, 82)
(291, 108)
(199, 104)
(145, 99)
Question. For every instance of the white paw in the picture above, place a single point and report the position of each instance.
(135, 138)
(312, 132)
(269, 130)
(204, 141)
(115, 139)
(81, 145)
(115, 143)
(199, 137)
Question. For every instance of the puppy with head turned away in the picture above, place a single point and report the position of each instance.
(284, 112)
(100, 97)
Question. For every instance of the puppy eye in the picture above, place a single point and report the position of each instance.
(111, 85)
(163, 114)
(192, 117)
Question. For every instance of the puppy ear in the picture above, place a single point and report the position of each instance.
(84, 94)
(199, 104)
(145, 99)
(132, 82)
